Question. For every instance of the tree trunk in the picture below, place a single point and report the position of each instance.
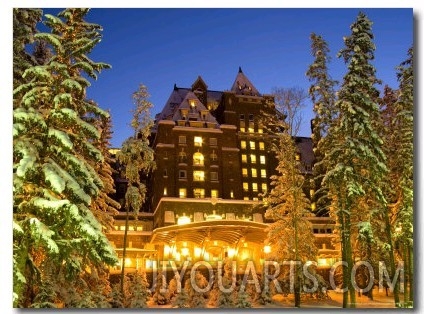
(124, 251)
(391, 256)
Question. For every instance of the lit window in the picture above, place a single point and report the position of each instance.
(231, 194)
(214, 176)
(263, 173)
(263, 160)
(261, 145)
(243, 144)
(182, 174)
(199, 193)
(244, 172)
(255, 187)
(251, 129)
(260, 130)
(199, 175)
(192, 103)
(165, 191)
(253, 159)
(312, 192)
(182, 139)
(182, 193)
(213, 141)
(244, 158)
(252, 144)
(214, 193)
(242, 129)
(298, 157)
(254, 172)
(198, 141)
(198, 159)
(246, 198)
(245, 186)
(264, 187)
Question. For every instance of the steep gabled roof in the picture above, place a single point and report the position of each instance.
(196, 112)
(243, 86)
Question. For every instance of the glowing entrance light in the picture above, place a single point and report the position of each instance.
(183, 220)
(267, 249)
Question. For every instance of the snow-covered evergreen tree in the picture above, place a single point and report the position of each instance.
(243, 299)
(162, 294)
(139, 292)
(54, 182)
(104, 206)
(288, 207)
(355, 161)
(137, 158)
(322, 93)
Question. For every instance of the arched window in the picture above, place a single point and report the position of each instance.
(198, 159)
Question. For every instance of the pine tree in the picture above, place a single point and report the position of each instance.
(104, 206)
(401, 170)
(355, 161)
(54, 182)
(243, 299)
(288, 207)
(322, 93)
(161, 297)
(24, 29)
(139, 291)
(137, 157)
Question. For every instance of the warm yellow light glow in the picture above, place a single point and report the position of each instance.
(185, 251)
(231, 252)
(166, 250)
(127, 262)
(313, 206)
(322, 262)
(197, 252)
(183, 220)
(267, 249)
(215, 243)
(198, 140)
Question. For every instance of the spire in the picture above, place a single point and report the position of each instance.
(175, 87)
(243, 86)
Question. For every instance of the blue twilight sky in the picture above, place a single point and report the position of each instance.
(161, 47)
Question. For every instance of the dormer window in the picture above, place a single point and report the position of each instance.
(192, 103)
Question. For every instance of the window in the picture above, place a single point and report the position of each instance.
(199, 193)
(214, 193)
(182, 174)
(255, 187)
(198, 159)
(251, 128)
(298, 157)
(243, 144)
(231, 194)
(198, 141)
(253, 159)
(260, 130)
(199, 175)
(165, 191)
(242, 129)
(245, 186)
(251, 117)
(263, 173)
(242, 116)
(254, 172)
(214, 176)
(213, 141)
(263, 160)
(261, 145)
(244, 158)
(182, 139)
(165, 173)
(264, 187)
(182, 193)
(252, 144)
(244, 172)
